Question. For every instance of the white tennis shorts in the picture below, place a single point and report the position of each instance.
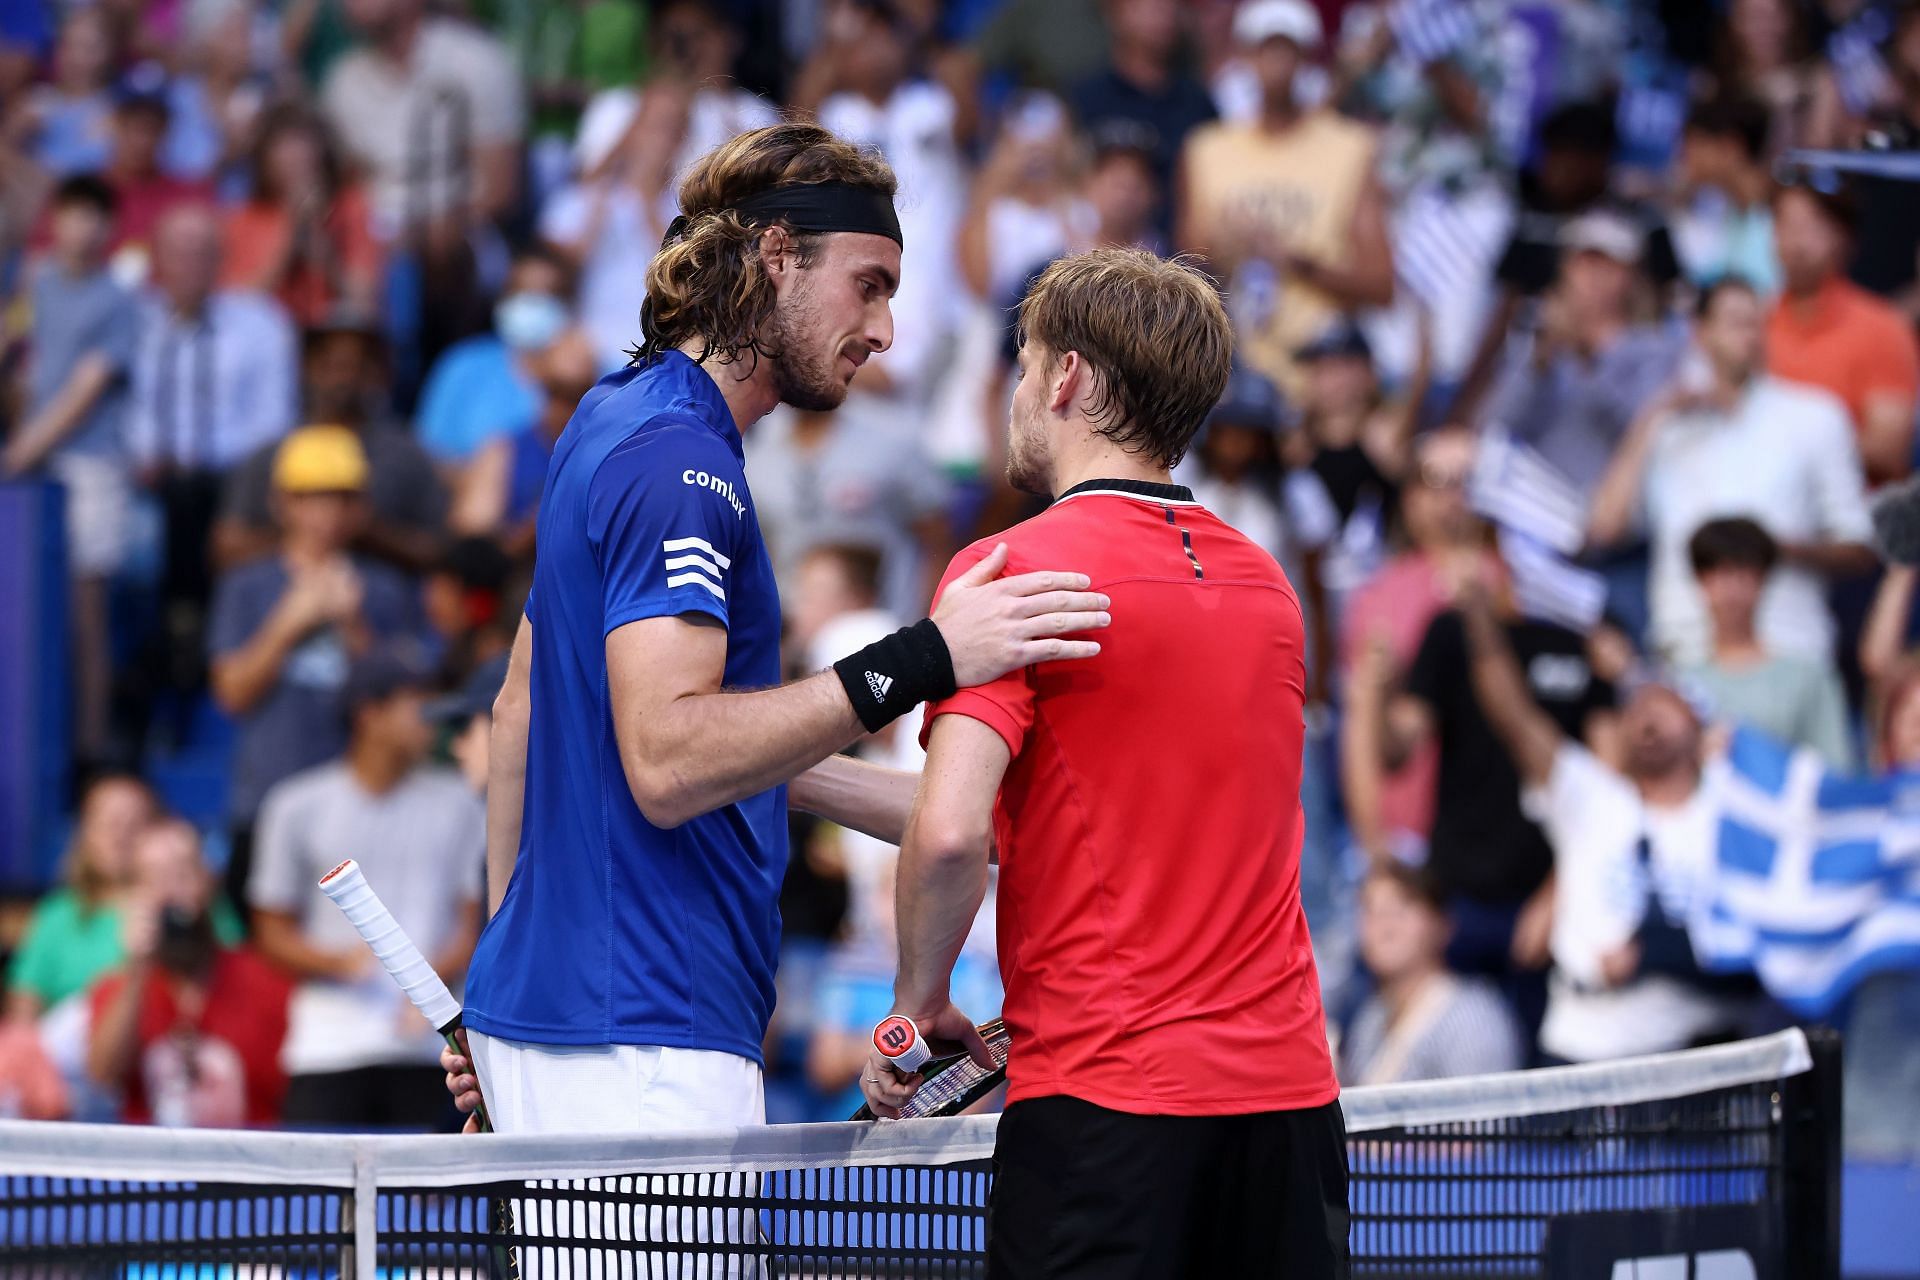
(619, 1088)
(614, 1088)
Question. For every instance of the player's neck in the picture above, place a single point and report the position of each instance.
(1107, 464)
(750, 397)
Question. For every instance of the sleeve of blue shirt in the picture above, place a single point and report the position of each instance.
(666, 514)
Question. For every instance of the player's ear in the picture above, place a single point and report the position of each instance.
(1070, 375)
(776, 252)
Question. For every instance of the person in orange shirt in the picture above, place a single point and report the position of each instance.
(303, 237)
(1827, 331)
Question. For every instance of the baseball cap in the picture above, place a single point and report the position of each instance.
(1605, 232)
(382, 672)
(320, 459)
(1341, 338)
(1251, 400)
(145, 87)
(1259, 21)
(473, 697)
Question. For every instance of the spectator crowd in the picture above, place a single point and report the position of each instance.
(1561, 392)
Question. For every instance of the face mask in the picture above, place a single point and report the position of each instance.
(529, 321)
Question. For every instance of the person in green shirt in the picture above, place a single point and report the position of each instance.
(74, 934)
(1797, 700)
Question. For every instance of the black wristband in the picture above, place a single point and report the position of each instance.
(892, 676)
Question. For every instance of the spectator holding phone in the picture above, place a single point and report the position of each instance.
(188, 1031)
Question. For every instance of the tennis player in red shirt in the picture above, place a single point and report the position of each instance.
(1172, 1109)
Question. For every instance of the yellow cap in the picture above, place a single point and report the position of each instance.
(322, 459)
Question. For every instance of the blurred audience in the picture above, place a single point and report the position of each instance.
(1491, 213)
(1723, 221)
(1144, 89)
(74, 429)
(77, 932)
(287, 627)
(344, 382)
(1382, 628)
(1797, 699)
(1285, 208)
(1488, 855)
(187, 1030)
(498, 494)
(1830, 333)
(1631, 848)
(357, 1052)
(848, 476)
(485, 386)
(1728, 438)
(1421, 1022)
(1573, 385)
(305, 234)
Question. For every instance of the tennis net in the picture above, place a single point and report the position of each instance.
(1710, 1154)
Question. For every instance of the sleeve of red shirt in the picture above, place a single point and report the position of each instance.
(1004, 705)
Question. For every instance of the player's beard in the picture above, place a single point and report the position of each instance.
(802, 377)
(1028, 468)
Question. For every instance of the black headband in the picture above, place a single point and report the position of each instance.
(814, 206)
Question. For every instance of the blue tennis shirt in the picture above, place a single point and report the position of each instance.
(614, 931)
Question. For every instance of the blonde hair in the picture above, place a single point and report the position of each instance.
(1153, 330)
(89, 883)
(708, 284)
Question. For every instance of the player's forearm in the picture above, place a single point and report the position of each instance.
(863, 797)
(703, 751)
(507, 767)
(942, 880)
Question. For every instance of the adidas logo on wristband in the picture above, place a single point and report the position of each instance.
(879, 684)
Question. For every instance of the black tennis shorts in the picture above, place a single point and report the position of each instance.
(1084, 1193)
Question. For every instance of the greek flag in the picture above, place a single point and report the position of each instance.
(1817, 882)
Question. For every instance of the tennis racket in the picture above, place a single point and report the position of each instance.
(952, 1081)
(347, 885)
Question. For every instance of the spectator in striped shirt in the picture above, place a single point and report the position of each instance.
(1422, 1022)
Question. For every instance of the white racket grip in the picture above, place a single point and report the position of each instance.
(347, 885)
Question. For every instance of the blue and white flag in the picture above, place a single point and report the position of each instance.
(1817, 881)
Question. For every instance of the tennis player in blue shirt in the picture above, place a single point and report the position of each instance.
(637, 793)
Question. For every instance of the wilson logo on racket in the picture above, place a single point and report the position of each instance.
(898, 1040)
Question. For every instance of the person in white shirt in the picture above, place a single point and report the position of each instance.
(876, 101)
(357, 1053)
(433, 110)
(1632, 851)
(694, 44)
(1728, 439)
(610, 226)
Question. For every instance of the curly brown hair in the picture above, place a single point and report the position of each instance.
(709, 283)
(1155, 333)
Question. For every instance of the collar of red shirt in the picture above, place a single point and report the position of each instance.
(1131, 488)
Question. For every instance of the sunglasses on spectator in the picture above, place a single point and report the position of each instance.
(1432, 477)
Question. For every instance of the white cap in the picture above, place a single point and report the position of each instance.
(1258, 21)
(898, 1041)
(1604, 232)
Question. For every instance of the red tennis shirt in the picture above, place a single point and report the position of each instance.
(1152, 942)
